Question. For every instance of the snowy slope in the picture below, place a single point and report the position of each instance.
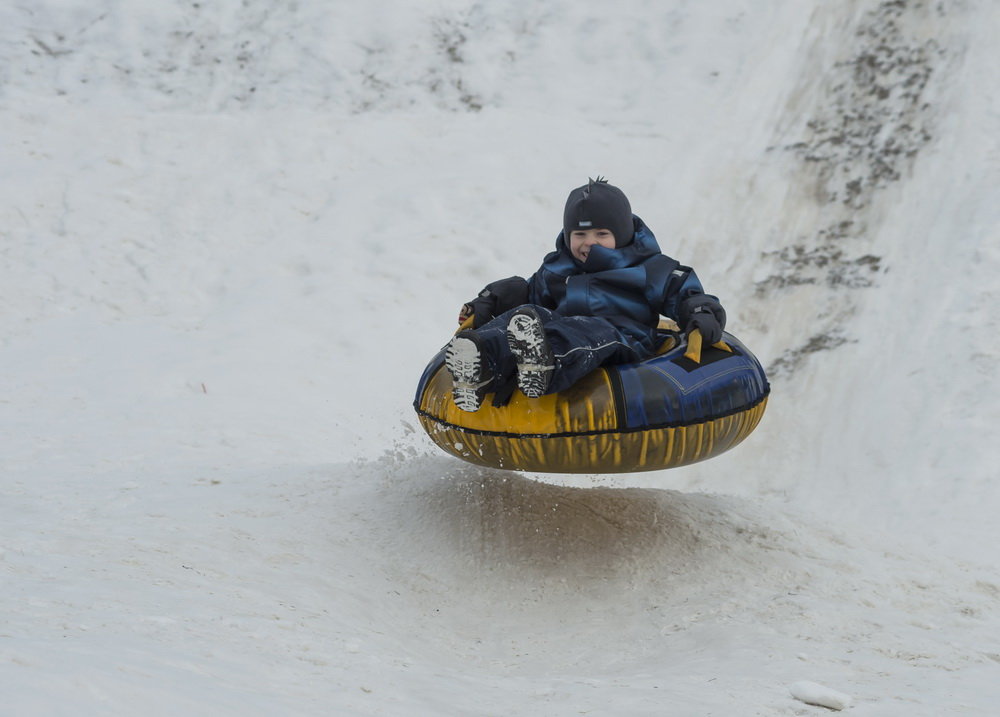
(232, 233)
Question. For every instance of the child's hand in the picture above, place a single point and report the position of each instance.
(464, 313)
(705, 321)
(705, 313)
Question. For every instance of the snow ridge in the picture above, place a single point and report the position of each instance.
(869, 118)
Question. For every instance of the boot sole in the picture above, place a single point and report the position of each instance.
(465, 364)
(535, 363)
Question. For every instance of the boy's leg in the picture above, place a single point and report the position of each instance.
(471, 377)
(553, 352)
(479, 362)
(530, 347)
(581, 344)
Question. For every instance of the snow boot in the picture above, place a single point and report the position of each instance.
(470, 376)
(527, 341)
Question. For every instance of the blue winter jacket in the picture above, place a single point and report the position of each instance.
(631, 286)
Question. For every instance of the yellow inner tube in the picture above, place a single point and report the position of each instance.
(574, 431)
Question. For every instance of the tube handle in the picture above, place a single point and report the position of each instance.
(695, 343)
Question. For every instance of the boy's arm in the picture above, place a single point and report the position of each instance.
(538, 291)
(687, 302)
(496, 298)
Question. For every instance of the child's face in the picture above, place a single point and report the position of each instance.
(580, 241)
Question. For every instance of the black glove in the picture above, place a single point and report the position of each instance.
(705, 313)
(483, 308)
(705, 321)
(498, 297)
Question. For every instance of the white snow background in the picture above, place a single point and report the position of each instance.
(233, 233)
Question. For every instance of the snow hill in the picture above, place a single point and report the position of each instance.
(232, 234)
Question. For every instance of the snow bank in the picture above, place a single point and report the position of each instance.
(232, 234)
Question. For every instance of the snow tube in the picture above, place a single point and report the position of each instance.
(679, 407)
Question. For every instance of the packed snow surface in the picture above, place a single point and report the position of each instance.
(233, 233)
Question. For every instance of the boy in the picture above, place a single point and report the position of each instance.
(596, 300)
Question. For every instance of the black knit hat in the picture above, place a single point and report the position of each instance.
(598, 205)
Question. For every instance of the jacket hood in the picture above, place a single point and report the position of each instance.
(641, 248)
